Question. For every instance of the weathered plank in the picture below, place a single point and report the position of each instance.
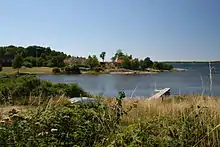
(160, 93)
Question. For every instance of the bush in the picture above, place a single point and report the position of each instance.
(0, 68)
(72, 69)
(162, 66)
(56, 70)
(74, 90)
(27, 64)
(19, 88)
(64, 125)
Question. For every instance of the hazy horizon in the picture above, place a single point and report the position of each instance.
(163, 30)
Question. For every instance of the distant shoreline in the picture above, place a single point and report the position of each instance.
(47, 70)
(134, 72)
(191, 62)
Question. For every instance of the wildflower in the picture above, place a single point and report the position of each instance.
(7, 120)
(53, 130)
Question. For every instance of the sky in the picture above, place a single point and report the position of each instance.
(165, 30)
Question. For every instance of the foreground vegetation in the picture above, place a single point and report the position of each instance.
(177, 121)
(19, 89)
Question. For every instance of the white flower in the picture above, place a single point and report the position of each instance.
(54, 130)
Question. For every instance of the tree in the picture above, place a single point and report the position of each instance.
(126, 62)
(72, 69)
(102, 56)
(148, 62)
(162, 66)
(113, 59)
(33, 53)
(135, 64)
(130, 57)
(17, 62)
(27, 64)
(118, 55)
(92, 62)
(142, 65)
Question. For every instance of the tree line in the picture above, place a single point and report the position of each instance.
(36, 56)
(122, 60)
(128, 62)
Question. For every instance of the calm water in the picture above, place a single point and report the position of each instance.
(193, 81)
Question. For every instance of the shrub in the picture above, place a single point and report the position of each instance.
(72, 69)
(27, 64)
(0, 68)
(74, 90)
(58, 125)
(18, 88)
(162, 66)
(56, 70)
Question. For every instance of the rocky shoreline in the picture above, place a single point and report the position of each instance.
(129, 72)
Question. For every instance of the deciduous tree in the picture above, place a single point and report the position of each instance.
(92, 62)
(17, 62)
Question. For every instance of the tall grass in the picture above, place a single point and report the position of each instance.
(176, 121)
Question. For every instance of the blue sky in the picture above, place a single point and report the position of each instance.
(160, 29)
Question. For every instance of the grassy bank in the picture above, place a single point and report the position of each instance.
(177, 121)
(33, 70)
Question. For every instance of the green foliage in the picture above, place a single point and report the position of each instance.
(118, 55)
(31, 60)
(135, 64)
(146, 63)
(73, 69)
(27, 64)
(190, 127)
(126, 62)
(58, 125)
(65, 124)
(36, 55)
(118, 107)
(56, 70)
(102, 56)
(113, 59)
(92, 62)
(17, 62)
(162, 66)
(74, 90)
(19, 88)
